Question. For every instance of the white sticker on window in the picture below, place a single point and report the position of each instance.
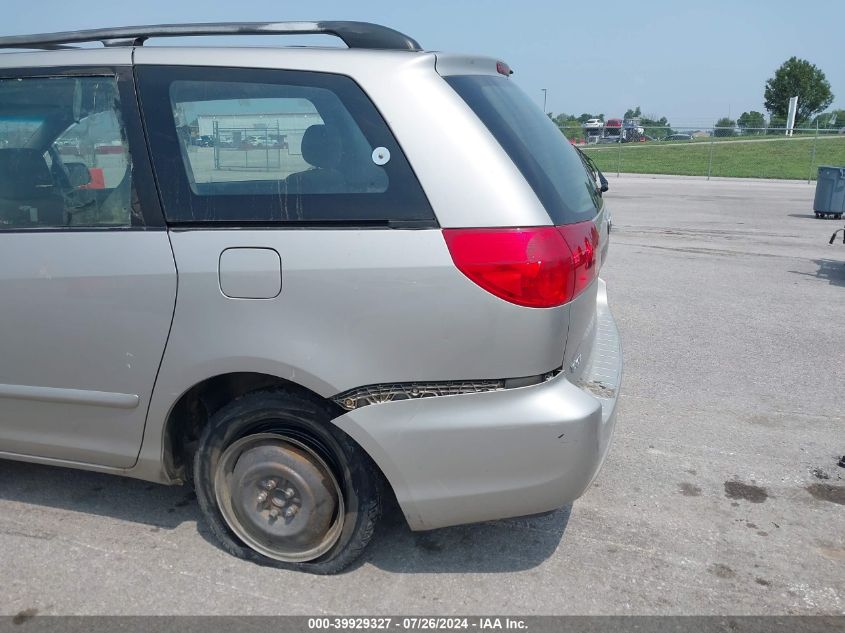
(381, 155)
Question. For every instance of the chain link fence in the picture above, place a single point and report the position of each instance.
(232, 153)
(269, 148)
(770, 152)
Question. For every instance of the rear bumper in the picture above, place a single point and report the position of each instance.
(475, 457)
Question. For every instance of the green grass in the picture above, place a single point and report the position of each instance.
(780, 158)
(799, 134)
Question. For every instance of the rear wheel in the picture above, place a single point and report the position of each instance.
(280, 485)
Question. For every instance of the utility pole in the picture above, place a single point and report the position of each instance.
(544, 100)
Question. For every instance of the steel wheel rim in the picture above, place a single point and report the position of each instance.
(247, 498)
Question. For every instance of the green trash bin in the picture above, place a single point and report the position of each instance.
(830, 192)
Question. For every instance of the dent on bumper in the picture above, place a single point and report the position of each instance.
(475, 457)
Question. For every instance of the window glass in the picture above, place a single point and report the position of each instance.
(271, 138)
(255, 145)
(16, 131)
(544, 156)
(64, 160)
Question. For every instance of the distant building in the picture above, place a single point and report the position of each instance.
(285, 128)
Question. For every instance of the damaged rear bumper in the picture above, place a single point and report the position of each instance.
(476, 457)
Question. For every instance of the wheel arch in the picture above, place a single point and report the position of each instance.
(190, 413)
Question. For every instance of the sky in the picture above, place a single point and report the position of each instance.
(692, 62)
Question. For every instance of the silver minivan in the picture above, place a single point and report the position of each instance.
(300, 279)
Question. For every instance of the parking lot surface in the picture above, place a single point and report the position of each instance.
(721, 494)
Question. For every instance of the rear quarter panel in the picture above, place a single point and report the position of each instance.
(356, 307)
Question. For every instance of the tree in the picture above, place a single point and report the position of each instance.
(654, 127)
(632, 114)
(797, 77)
(725, 127)
(586, 116)
(569, 124)
(776, 124)
(751, 122)
(834, 119)
(560, 119)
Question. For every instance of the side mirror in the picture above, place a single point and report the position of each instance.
(78, 174)
(603, 181)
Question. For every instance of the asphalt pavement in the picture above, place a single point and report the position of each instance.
(721, 494)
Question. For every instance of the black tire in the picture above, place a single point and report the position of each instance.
(307, 421)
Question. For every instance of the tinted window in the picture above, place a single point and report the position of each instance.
(535, 144)
(249, 145)
(64, 160)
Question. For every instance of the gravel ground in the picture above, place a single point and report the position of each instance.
(721, 494)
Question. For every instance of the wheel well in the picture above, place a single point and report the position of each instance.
(192, 411)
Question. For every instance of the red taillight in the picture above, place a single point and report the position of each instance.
(538, 267)
(583, 241)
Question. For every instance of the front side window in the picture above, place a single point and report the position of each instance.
(259, 146)
(64, 160)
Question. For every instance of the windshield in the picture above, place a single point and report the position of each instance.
(535, 144)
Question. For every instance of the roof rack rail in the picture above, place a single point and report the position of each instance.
(353, 34)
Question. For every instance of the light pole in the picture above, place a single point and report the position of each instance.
(544, 99)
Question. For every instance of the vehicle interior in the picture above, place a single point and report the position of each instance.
(63, 157)
(335, 156)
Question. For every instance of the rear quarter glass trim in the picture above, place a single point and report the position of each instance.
(403, 201)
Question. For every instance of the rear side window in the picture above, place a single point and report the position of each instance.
(534, 143)
(254, 145)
